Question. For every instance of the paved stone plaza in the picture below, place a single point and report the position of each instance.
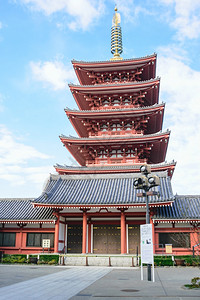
(77, 283)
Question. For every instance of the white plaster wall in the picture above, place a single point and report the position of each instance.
(66, 238)
(48, 225)
(61, 236)
(185, 225)
(61, 231)
(164, 225)
(62, 219)
(177, 225)
(14, 225)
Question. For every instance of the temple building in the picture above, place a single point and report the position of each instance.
(93, 207)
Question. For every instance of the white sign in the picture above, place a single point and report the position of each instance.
(146, 244)
(46, 243)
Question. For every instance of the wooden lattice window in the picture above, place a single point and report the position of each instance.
(35, 239)
(177, 239)
(7, 239)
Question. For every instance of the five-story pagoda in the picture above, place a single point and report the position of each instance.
(119, 127)
(119, 120)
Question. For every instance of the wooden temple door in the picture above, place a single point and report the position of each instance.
(74, 239)
(133, 239)
(107, 239)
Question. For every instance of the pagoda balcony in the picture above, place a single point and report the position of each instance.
(116, 161)
(145, 120)
(120, 132)
(102, 72)
(121, 105)
(152, 147)
(134, 94)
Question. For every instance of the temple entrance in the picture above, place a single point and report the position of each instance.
(107, 239)
(133, 239)
(74, 239)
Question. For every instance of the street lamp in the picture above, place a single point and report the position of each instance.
(145, 182)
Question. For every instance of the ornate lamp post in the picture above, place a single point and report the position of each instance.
(145, 182)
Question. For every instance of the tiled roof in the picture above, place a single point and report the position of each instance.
(113, 167)
(110, 138)
(183, 207)
(109, 61)
(116, 109)
(108, 85)
(23, 210)
(96, 189)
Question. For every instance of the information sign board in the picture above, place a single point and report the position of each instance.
(168, 248)
(146, 244)
(146, 241)
(46, 243)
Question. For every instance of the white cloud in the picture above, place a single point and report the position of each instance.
(1, 25)
(83, 12)
(13, 152)
(187, 17)
(181, 90)
(54, 74)
(16, 159)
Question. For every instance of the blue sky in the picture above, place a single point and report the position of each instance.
(38, 40)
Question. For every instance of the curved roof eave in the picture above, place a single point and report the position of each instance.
(109, 62)
(117, 138)
(116, 110)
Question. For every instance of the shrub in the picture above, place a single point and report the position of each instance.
(41, 262)
(48, 258)
(195, 283)
(13, 259)
(52, 262)
(163, 261)
(21, 258)
(6, 260)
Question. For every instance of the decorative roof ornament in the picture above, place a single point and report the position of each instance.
(116, 37)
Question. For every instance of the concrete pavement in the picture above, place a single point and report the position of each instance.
(60, 285)
(126, 284)
(77, 283)
(10, 274)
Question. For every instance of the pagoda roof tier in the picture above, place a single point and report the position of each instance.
(152, 146)
(88, 94)
(85, 121)
(70, 170)
(101, 190)
(88, 71)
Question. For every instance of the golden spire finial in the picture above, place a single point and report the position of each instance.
(116, 36)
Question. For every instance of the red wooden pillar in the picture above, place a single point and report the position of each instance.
(89, 237)
(123, 233)
(84, 235)
(56, 236)
(194, 238)
(156, 239)
(20, 238)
